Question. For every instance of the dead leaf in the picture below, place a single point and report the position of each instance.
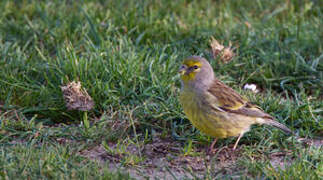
(76, 98)
(218, 50)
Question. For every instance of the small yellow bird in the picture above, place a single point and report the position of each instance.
(213, 107)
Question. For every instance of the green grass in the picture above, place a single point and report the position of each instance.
(126, 55)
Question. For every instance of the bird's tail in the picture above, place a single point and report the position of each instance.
(279, 126)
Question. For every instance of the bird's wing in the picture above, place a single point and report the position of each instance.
(224, 98)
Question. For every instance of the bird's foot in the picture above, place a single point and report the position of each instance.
(211, 151)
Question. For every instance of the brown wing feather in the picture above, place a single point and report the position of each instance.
(230, 101)
(226, 96)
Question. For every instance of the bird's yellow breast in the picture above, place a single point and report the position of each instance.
(217, 124)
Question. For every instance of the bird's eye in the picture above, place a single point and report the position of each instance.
(195, 67)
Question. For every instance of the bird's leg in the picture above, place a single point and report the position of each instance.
(236, 144)
(211, 149)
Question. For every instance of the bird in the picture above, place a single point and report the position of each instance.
(214, 108)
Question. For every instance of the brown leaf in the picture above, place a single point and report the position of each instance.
(218, 50)
(76, 98)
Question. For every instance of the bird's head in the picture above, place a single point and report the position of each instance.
(195, 69)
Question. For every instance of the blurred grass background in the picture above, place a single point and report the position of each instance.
(126, 55)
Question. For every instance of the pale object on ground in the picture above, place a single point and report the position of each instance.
(251, 87)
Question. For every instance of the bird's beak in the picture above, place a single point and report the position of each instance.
(182, 71)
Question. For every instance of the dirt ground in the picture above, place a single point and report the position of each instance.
(164, 160)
